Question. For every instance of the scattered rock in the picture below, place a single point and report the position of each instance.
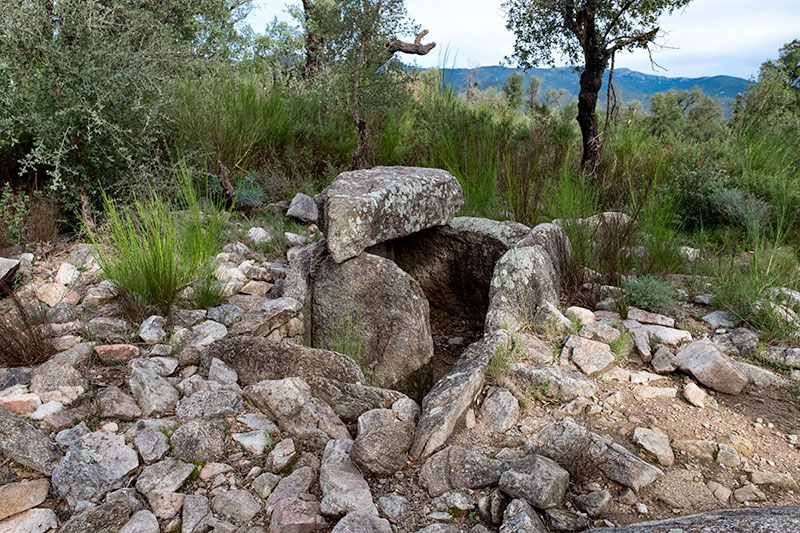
(95, 464)
(152, 445)
(749, 493)
(458, 468)
(116, 353)
(711, 367)
(280, 456)
(519, 517)
(360, 522)
(21, 496)
(291, 487)
(200, 440)
(393, 507)
(500, 410)
(290, 403)
(209, 404)
(721, 319)
(239, 505)
(141, 522)
(343, 487)
(539, 480)
(152, 330)
(554, 382)
(31, 521)
(594, 503)
(646, 317)
(303, 208)
(114, 403)
(665, 361)
(655, 442)
(294, 514)
(568, 443)
(27, 445)
(153, 393)
(591, 357)
(695, 395)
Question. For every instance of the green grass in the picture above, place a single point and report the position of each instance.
(157, 248)
(348, 336)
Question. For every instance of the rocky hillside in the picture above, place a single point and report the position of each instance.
(473, 396)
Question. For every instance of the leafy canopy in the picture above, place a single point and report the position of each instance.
(550, 30)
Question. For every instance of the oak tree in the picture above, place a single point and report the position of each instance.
(586, 33)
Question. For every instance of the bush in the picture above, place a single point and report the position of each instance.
(156, 251)
(24, 334)
(646, 292)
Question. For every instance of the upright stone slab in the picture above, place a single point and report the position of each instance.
(365, 207)
(450, 398)
(371, 304)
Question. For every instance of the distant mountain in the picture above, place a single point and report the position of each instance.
(628, 84)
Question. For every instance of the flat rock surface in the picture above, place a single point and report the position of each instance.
(764, 520)
(364, 207)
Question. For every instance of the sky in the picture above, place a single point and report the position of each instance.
(707, 38)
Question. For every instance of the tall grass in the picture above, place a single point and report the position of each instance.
(157, 248)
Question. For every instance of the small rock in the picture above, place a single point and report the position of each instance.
(265, 484)
(114, 403)
(254, 442)
(655, 442)
(748, 493)
(21, 496)
(294, 514)
(221, 373)
(239, 505)
(664, 361)
(591, 357)
(360, 522)
(594, 503)
(54, 293)
(152, 330)
(774, 479)
(720, 492)
(539, 480)
(303, 208)
(728, 456)
(500, 410)
(695, 395)
(280, 456)
(258, 235)
(584, 315)
(200, 440)
(393, 507)
(646, 317)
(30, 521)
(721, 319)
(141, 522)
(116, 353)
(520, 517)
(152, 445)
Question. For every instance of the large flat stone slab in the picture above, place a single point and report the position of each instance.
(365, 207)
(452, 395)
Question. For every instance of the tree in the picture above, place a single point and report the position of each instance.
(691, 115)
(534, 89)
(588, 30)
(358, 39)
(512, 89)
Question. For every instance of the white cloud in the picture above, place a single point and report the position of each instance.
(707, 38)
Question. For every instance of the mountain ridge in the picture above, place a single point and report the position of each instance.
(628, 84)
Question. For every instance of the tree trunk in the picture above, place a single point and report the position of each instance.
(591, 83)
(361, 156)
(314, 42)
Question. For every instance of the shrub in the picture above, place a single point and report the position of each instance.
(157, 252)
(13, 211)
(24, 333)
(646, 292)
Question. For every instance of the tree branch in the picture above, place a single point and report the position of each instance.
(415, 48)
(642, 38)
(616, 19)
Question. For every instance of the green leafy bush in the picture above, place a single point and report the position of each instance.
(646, 292)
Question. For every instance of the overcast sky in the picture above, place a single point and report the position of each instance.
(707, 38)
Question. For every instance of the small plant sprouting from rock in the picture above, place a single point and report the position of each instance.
(622, 346)
(348, 336)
